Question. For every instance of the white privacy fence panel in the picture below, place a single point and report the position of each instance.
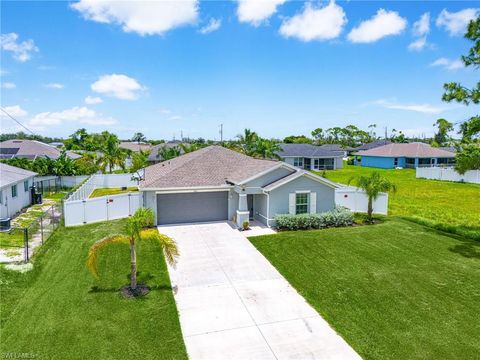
(80, 212)
(448, 174)
(356, 200)
(102, 181)
(72, 181)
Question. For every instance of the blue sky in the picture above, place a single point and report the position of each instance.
(278, 67)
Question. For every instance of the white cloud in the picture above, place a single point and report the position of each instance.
(383, 23)
(56, 86)
(418, 44)
(448, 64)
(21, 51)
(213, 25)
(165, 111)
(78, 115)
(421, 108)
(8, 85)
(117, 85)
(92, 100)
(322, 23)
(154, 17)
(455, 23)
(175, 117)
(256, 11)
(15, 111)
(422, 26)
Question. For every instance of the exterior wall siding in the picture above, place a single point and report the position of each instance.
(377, 162)
(279, 196)
(260, 208)
(12, 205)
(232, 204)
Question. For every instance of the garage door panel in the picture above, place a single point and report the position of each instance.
(192, 207)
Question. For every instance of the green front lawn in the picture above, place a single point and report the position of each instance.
(449, 206)
(111, 191)
(58, 311)
(397, 290)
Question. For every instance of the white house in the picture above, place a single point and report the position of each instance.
(15, 192)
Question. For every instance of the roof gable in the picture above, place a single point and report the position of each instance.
(12, 174)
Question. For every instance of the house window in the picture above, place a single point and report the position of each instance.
(301, 203)
(298, 161)
(25, 185)
(395, 162)
(14, 191)
(1, 197)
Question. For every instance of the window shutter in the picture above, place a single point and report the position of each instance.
(291, 203)
(313, 203)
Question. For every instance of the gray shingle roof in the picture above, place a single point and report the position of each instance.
(10, 175)
(154, 150)
(372, 145)
(134, 146)
(31, 149)
(306, 150)
(414, 150)
(296, 174)
(210, 166)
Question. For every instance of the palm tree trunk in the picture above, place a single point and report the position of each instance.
(370, 208)
(133, 265)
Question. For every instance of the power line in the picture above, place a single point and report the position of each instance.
(18, 122)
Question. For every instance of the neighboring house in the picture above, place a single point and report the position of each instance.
(448, 148)
(215, 183)
(15, 192)
(311, 157)
(31, 149)
(401, 155)
(155, 157)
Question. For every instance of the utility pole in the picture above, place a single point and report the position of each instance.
(221, 133)
(181, 135)
(386, 136)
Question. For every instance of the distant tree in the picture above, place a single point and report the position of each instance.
(139, 160)
(297, 139)
(443, 128)
(87, 164)
(318, 135)
(64, 166)
(139, 137)
(166, 153)
(467, 157)
(138, 227)
(373, 185)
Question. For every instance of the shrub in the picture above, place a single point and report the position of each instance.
(338, 217)
(246, 225)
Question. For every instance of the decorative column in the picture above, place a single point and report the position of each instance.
(243, 214)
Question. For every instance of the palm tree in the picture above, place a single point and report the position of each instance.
(113, 155)
(373, 185)
(138, 227)
(266, 149)
(166, 153)
(248, 139)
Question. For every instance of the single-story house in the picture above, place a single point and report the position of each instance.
(31, 149)
(15, 194)
(155, 156)
(310, 157)
(411, 155)
(215, 183)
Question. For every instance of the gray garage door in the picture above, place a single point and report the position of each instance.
(192, 207)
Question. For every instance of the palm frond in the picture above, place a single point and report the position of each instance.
(168, 244)
(99, 245)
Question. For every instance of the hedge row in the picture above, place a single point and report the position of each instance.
(338, 217)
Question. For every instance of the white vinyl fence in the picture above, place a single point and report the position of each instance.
(79, 209)
(448, 174)
(357, 201)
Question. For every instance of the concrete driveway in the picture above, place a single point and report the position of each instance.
(234, 304)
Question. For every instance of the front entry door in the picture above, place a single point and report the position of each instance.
(250, 205)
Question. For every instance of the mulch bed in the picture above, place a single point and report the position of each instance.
(129, 293)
